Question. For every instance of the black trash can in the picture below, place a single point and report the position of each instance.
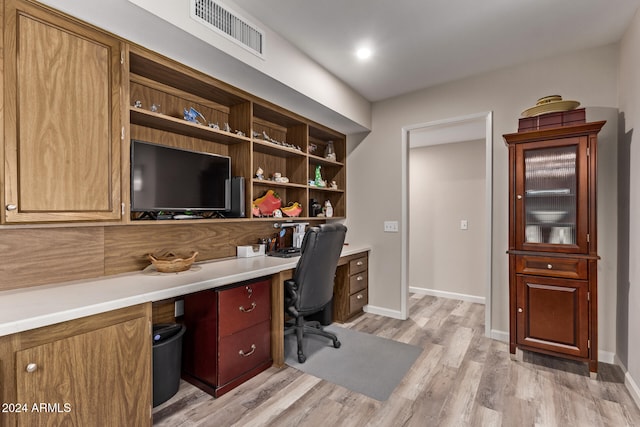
(167, 360)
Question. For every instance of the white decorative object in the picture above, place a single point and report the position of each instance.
(250, 251)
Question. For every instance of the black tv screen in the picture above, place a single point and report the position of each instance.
(171, 179)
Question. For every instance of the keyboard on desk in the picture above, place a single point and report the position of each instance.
(285, 252)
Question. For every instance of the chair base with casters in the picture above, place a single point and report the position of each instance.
(301, 327)
(311, 288)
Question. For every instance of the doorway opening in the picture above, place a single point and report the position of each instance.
(447, 138)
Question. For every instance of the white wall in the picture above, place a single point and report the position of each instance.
(374, 165)
(628, 320)
(447, 185)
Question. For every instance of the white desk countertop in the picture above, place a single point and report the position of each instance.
(30, 308)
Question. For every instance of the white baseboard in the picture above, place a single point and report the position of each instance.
(449, 295)
(629, 382)
(394, 314)
(499, 335)
(606, 357)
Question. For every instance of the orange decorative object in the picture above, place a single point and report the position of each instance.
(294, 209)
(268, 203)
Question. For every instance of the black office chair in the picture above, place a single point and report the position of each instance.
(311, 288)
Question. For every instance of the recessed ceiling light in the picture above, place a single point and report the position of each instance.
(364, 53)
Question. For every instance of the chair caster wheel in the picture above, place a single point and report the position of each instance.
(302, 358)
(337, 344)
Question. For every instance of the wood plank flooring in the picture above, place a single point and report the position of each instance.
(462, 378)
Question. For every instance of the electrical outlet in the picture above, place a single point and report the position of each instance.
(391, 226)
(464, 225)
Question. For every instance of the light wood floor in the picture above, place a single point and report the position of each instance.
(462, 378)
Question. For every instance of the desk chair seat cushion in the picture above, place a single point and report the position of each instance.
(311, 287)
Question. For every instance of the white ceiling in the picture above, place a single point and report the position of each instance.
(421, 43)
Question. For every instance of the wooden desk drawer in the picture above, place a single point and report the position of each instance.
(243, 351)
(570, 268)
(358, 300)
(243, 306)
(357, 265)
(358, 282)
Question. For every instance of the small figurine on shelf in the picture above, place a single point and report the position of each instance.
(215, 125)
(239, 132)
(277, 213)
(227, 128)
(192, 115)
(137, 104)
(330, 152)
(259, 173)
(328, 209)
(319, 182)
(334, 185)
(155, 108)
(277, 177)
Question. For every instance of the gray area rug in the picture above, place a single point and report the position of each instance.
(365, 363)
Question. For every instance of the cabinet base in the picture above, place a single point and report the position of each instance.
(217, 391)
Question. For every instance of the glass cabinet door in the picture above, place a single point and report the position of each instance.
(549, 195)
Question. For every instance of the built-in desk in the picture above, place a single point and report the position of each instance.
(31, 308)
(58, 341)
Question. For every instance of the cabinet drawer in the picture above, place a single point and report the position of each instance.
(357, 265)
(358, 282)
(243, 351)
(243, 306)
(569, 268)
(358, 300)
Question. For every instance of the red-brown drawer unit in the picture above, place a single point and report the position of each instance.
(228, 335)
(569, 268)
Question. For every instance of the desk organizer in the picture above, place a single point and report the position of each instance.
(250, 251)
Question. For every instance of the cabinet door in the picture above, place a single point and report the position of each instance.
(62, 118)
(553, 314)
(88, 379)
(552, 195)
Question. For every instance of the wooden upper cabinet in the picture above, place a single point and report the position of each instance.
(62, 83)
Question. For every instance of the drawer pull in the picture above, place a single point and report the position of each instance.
(359, 263)
(519, 309)
(243, 354)
(519, 196)
(549, 266)
(11, 207)
(247, 310)
(360, 296)
(32, 367)
(359, 278)
(249, 290)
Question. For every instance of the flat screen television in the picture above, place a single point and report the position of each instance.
(176, 180)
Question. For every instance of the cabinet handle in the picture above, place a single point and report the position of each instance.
(359, 278)
(359, 263)
(519, 310)
(360, 296)
(243, 354)
(249, 290)
(549, 266)
(11, 207)
(245, 310)
(519, 196)
(32, 367)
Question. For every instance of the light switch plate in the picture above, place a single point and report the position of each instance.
(464, 224)
(391, 226)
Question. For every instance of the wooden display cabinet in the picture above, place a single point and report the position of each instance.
(553, 256)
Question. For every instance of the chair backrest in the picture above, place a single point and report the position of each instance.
(316, 268)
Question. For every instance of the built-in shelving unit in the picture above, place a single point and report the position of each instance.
(260, 134)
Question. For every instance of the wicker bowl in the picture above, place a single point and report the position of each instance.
(170, 263)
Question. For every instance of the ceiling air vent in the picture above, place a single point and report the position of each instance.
(228, 23)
